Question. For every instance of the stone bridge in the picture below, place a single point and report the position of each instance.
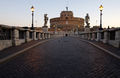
(29, 53)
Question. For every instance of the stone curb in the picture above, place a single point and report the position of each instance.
(19, 52)
(107, 51)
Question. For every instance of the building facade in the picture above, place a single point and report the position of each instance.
(66, 22)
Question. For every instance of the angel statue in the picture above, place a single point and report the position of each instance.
(45, 19)
(87, 19)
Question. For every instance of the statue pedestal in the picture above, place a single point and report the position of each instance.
(87, 29)
(45, 29)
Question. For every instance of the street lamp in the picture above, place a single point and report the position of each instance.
(32, 9)
(101, 9)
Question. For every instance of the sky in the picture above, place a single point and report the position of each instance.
(18, 13)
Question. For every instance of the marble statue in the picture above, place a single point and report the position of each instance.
(87, 19)
(45, 19)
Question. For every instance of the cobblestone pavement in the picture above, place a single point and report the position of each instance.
(14, 49)
(105, 46)
(108, 47)
(64, 57)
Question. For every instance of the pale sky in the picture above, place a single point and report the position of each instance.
(18, 13)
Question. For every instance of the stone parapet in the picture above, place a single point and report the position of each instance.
(110, 36)
(18, 35)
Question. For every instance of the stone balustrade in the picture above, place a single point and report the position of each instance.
(109, 36)
(13, 36)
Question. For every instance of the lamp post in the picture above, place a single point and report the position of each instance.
(32, 9)
(101, 9)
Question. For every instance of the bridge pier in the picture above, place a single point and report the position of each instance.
(15, 36)
(93, 36)
(117, 38)
(39, 36)
(106, 37)
(47, 35)
(43, 36)
(98, 36)
(34, 35)
(26, 36)
(90, 36)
